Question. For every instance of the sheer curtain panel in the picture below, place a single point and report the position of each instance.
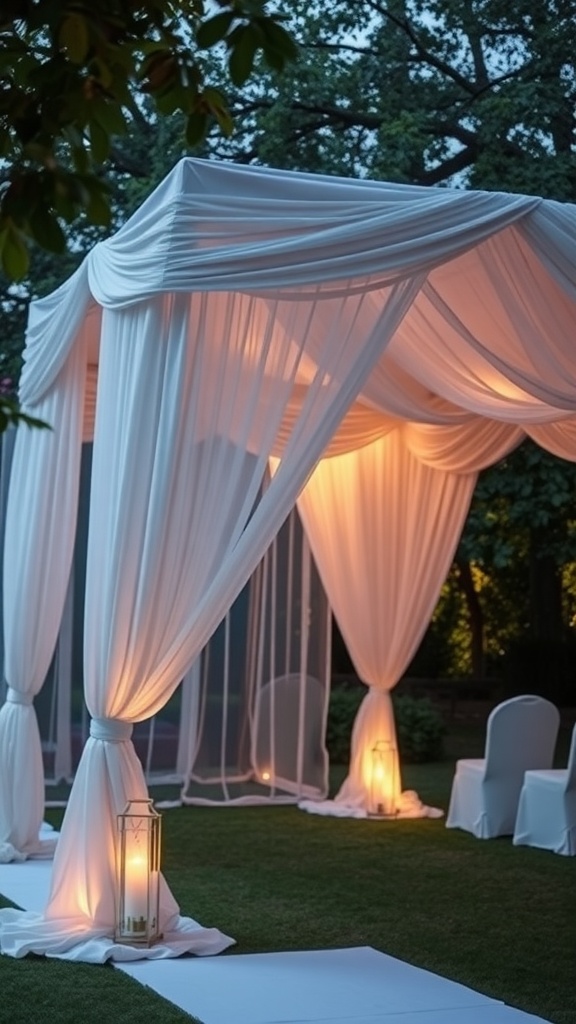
(383, 527)
(191, 394)
(38, 546)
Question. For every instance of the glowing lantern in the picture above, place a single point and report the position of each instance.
(138, 874)
(265, 775)
(382, 798)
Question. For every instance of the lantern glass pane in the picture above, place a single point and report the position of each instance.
(382, 800)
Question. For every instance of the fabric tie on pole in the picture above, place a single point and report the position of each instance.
(17, 697)
(112, 730)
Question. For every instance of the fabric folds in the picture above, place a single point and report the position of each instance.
(383, 527)
(38, 546)
(410, 335)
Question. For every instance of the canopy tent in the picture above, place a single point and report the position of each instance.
(408, 336)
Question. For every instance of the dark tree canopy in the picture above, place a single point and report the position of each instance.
(477, 93)
(73, 77)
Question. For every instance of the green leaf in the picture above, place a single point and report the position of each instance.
(277, 38)
(73, 37)
(109, 116)
(14, 253)
(10, 412)
(98, 209)
(274, 59)
(99, 142)
(218, 107)
(196, 126)
(80, 158)
(30, 421)
(241, 60)
(46, 230)
(213, 31)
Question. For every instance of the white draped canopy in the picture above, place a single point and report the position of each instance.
(397, 338)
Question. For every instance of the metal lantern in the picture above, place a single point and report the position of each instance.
(382, 801)
(139, 829)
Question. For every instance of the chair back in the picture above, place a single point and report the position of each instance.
(571, 774)
(288, 733)
(521, 735)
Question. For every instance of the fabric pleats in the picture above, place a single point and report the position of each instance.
(383, 343)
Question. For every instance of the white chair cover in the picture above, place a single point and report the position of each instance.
(547, 810)
(521, 734)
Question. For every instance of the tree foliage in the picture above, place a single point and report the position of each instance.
(477, 93)
(73, 77)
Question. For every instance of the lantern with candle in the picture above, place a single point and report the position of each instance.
(382, 788)
(138, 874)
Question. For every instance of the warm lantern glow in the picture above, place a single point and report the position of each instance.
(138, 874)
(265, 776)
(382, 788)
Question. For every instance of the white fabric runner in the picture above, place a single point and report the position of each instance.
(355, 986)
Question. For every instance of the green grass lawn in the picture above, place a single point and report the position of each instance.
(498, 918)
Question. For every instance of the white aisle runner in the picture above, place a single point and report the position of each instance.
(339, 986)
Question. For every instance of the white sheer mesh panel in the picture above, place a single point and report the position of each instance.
(264, 686)
(248, 721)
(6, 451)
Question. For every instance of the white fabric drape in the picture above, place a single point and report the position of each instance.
(186, 384)
(38, 546)
(383, 527)
(216, 227)
(245, 311)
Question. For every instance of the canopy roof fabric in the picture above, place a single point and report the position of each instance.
(489, 332)
(413, 335)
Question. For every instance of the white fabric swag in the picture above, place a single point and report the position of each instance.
(244, 310)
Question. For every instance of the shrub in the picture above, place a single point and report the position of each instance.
(420, 728)
(344, 703)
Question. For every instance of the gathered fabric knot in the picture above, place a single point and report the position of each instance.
(17, 697)
(113, 730)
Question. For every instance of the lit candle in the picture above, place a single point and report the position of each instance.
(382, 781)
(136, 893)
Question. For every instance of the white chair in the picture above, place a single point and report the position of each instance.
(547, 809)
(288, 740)
(520, 735)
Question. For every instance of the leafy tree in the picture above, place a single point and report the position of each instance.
(73, 77)
(477, 93)
(76, 81)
